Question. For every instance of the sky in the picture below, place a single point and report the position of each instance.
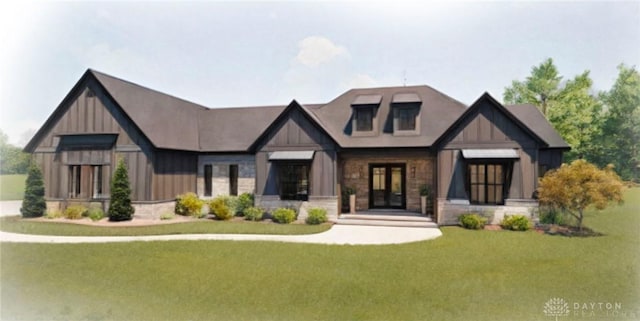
(224, 54)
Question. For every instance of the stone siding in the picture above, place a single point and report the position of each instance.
(272, 202)
(419, 171)
(449, 210)
(220, 173)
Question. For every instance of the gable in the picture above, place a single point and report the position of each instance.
(487, 124)
(86, 110)
(294, 128)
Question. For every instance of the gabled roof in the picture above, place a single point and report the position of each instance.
(527, 118)
(535, 120)
(438, 112)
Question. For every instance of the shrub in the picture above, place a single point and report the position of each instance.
(253, 213)
(75, 212)
(244, 201)
(551, 215)
(167, 216)
(95, 213)
(472, 221)
(120, 208)
(284, 215)
(219, 209)
(515, 223)
(230, 202)
(189, 204)
(316, 216)
(51, 214)
(33, 204)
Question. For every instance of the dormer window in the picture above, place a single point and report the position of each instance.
(363, 118)
(406, 114)
(364, 115)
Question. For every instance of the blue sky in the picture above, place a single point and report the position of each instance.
(222, 54)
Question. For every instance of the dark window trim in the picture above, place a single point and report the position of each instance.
(507, 170)
(290, 186)
(233, 179)
(208, 180)
(360, 125)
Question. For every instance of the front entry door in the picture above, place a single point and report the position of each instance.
(387, 186)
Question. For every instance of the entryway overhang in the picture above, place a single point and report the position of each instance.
(305, 155)
(506, 153)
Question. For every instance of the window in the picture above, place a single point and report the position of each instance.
(364, 119)
(487, 183)
(208, 173)
(406, 118)
(542, 169)
(97, 181)
(233, 180)
(293, 181)
(74, 181)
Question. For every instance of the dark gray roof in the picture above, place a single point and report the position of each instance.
(534, 119)
(438, 112)
(173, 123)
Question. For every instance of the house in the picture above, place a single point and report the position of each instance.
(386, 143)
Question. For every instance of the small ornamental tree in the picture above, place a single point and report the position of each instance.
(574, 188)
(33, 204)
(120, 208)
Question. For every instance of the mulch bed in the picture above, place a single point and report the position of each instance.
(570, 231)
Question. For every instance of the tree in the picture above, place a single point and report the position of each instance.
(12, 159)
(576, 187)
(33, 204)
(120, 208)
(572, 110)
(619, 140)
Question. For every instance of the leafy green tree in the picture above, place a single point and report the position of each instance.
(571, 108)
(576, 187)
(619, 140)
(120, 208)
(33, 204)
(12, 159)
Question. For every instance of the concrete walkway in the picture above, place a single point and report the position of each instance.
(338, 234)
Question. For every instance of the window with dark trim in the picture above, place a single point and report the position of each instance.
(233, 180)
(406, 118)
(208, 173)
(364, 118)
(97, 181)
(74, 181)
(487, 182)
(293, 179)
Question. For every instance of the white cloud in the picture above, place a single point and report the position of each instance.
(361, 81)
(316, 50)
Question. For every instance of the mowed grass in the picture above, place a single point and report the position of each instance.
(12, 187)
(16, 224)
(463, 275)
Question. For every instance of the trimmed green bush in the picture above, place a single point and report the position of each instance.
(244, 201)
(189, 204)
(51, 214)
(472, 221)
(515, 223)
(33, 204)
(316, 216)
(218, 207)
(95, 213)
(120, 208)
(284, 215)
(75, 212)
(253, 214)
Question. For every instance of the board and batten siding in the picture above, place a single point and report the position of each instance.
(175, 174)
(488, 128)
(295, 132)
(92, 112)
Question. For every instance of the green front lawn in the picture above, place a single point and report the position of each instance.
(12, 187)
(463, 275)
(16, 224)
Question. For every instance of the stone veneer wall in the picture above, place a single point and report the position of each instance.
(449, 210)
(355, 173)
(220, 173)
(143, 210)
(329, 203)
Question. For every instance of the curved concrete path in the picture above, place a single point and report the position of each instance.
(338, 234)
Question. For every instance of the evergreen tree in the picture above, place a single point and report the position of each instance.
(33, 204)
(120, 208)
